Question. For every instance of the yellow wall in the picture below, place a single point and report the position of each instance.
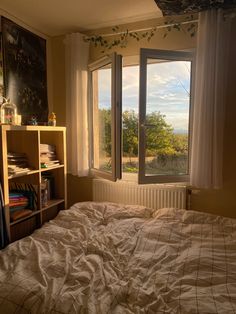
(223, 201)
(59, 83)
(80, 189)
(175, 40)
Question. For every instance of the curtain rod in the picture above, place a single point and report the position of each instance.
(145, 29)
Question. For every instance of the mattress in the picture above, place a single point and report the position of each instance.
(112, 258)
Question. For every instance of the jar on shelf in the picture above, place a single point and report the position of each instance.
(8, 112)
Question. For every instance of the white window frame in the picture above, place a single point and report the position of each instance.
(116, 115)
(146, 54)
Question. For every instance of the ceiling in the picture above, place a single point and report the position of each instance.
(57, 17)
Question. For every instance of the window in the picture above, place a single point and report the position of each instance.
(164, 115)
(156, 133)
(105, 82)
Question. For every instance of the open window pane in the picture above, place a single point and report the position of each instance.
(102, 89)
(165, 81)
(130, 94)
(105, 83)
(167, 117)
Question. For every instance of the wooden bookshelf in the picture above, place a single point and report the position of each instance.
(26, 140)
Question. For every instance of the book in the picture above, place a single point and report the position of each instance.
(21, 199)
(48, 156)
(45, 148)
(18, 172)
(15, 155)
(51, 162)
(20, 214)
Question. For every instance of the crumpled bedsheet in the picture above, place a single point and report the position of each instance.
(112, 258)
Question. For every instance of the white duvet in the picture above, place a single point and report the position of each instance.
(109, 258)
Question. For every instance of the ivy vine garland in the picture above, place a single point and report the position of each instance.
(122, 37)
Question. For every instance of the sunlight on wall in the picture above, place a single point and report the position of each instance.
(219, 202)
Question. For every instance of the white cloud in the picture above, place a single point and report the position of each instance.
(167, 92)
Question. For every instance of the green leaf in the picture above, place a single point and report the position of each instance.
(121, 39)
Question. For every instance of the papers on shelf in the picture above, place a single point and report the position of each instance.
(17, 170)
(17, 164)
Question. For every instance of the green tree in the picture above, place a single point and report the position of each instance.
(161, 142)
(130, 133)
(159, 135)
(179, 143)
(105, 131)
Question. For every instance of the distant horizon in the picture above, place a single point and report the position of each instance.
(168, 91)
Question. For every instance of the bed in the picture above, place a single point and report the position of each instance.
(113, 258)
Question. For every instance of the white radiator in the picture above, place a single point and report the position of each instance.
(152, 195)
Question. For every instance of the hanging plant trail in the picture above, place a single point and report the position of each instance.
(122, 37)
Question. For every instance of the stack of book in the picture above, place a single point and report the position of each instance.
(17, 163)
(48, 156)
(18, 204)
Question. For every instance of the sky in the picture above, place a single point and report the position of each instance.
(168, 85)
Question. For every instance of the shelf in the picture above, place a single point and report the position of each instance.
(27, 140)
(7, 127)
(51, 168)
(23, 174)
(52, 203)
(35, 212)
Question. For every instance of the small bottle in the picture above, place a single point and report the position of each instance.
(8, 112)
(44, 192)
(44, 197)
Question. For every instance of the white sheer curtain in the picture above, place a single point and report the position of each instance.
(209, 100)
(77, 54)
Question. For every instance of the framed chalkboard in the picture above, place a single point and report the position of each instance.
(24, 71)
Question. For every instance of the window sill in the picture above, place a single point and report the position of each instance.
(133, 177)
